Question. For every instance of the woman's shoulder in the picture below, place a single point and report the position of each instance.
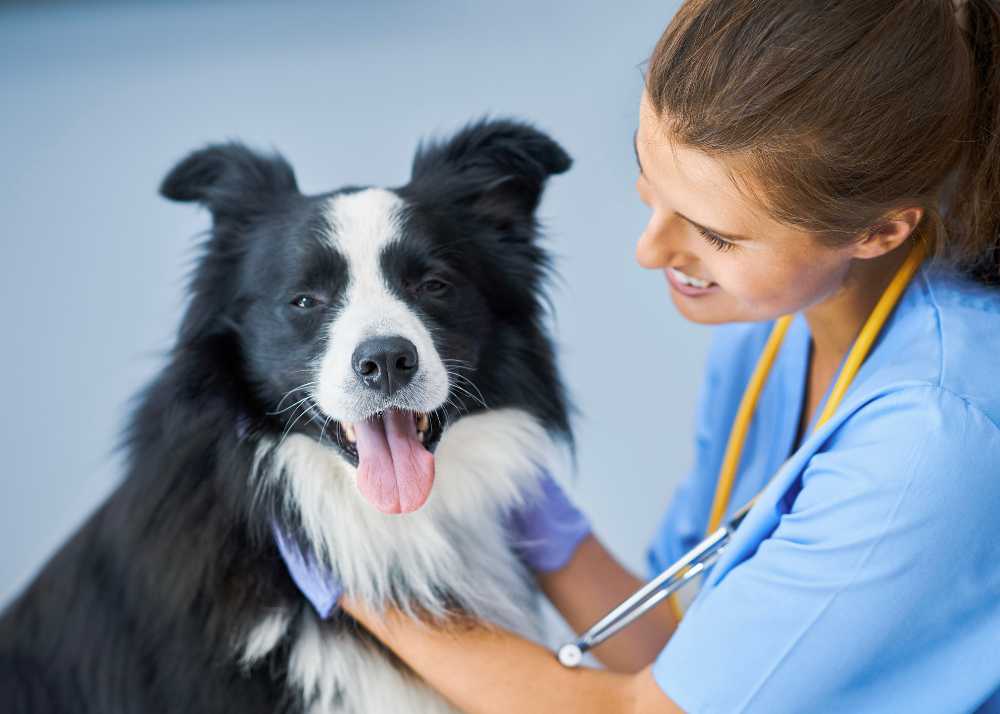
(948, 337)
(928, 398)
(952, 290)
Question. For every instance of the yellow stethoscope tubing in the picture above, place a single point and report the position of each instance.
(748, 404)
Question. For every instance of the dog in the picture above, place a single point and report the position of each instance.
(367, 372)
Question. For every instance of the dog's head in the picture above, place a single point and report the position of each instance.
(372, 318)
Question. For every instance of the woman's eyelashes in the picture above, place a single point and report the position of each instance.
(717, 242)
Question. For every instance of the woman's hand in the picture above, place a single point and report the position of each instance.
(487, 670)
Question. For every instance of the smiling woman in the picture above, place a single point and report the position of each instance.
(748, 266)
(793, 156)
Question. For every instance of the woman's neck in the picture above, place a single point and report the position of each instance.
(836, 322)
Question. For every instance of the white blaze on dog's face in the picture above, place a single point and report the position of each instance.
(381, 373)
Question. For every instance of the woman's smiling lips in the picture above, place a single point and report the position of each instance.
(688, 285)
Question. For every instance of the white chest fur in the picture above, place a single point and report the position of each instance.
(486, 464)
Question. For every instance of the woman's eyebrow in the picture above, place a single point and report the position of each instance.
(635, 148)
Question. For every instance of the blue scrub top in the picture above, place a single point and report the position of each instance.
(867, 576)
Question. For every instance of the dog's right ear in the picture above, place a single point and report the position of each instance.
(229, 179)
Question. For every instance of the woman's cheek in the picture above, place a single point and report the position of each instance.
(764, 293)
(742, 283)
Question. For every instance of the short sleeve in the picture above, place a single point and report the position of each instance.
(878, 591)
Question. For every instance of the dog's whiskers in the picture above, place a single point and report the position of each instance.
(478, 397)
(291, 406)
(459, 363)
(289, 392)
(308, 410)
(322, 431)
(457, 405)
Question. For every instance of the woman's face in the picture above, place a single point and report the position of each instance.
(724, 259)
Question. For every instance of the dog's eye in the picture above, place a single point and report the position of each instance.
(305, 301)
(434, 287)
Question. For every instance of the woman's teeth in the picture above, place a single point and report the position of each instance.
(686, 279)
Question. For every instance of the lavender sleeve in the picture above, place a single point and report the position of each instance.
(547, 531)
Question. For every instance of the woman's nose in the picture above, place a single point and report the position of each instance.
(656, 244)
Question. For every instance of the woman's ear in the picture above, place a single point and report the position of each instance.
(888, 233)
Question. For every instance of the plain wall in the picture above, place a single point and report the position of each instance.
(99, 99)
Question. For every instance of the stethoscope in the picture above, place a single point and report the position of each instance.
(699, 558)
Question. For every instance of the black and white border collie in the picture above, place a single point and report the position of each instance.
(368, 371)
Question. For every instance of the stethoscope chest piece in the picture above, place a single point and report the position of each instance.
(570, 655)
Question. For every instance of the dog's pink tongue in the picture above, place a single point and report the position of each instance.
(395, 471)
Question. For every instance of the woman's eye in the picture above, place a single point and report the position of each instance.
(717, 242)
(305, 302)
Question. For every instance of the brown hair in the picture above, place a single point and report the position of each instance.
(844, 111)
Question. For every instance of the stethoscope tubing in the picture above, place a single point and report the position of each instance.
(690, 565)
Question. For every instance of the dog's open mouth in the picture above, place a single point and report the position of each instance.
(394, 459)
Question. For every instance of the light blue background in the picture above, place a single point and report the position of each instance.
(99, 99)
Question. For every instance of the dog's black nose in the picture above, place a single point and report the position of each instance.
(385, 363)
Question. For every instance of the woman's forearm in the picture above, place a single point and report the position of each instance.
(588, 587)
(491, 671)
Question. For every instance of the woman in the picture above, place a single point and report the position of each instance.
(792, 155)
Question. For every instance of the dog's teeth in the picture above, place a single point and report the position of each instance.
(349, 432)
(421, 435)
(422, 422)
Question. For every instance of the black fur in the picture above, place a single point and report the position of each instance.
(140, 610)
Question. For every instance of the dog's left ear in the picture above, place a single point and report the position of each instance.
(497, 167)
(231, 180)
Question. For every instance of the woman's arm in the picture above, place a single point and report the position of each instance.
(592, 583)
(491, 671)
